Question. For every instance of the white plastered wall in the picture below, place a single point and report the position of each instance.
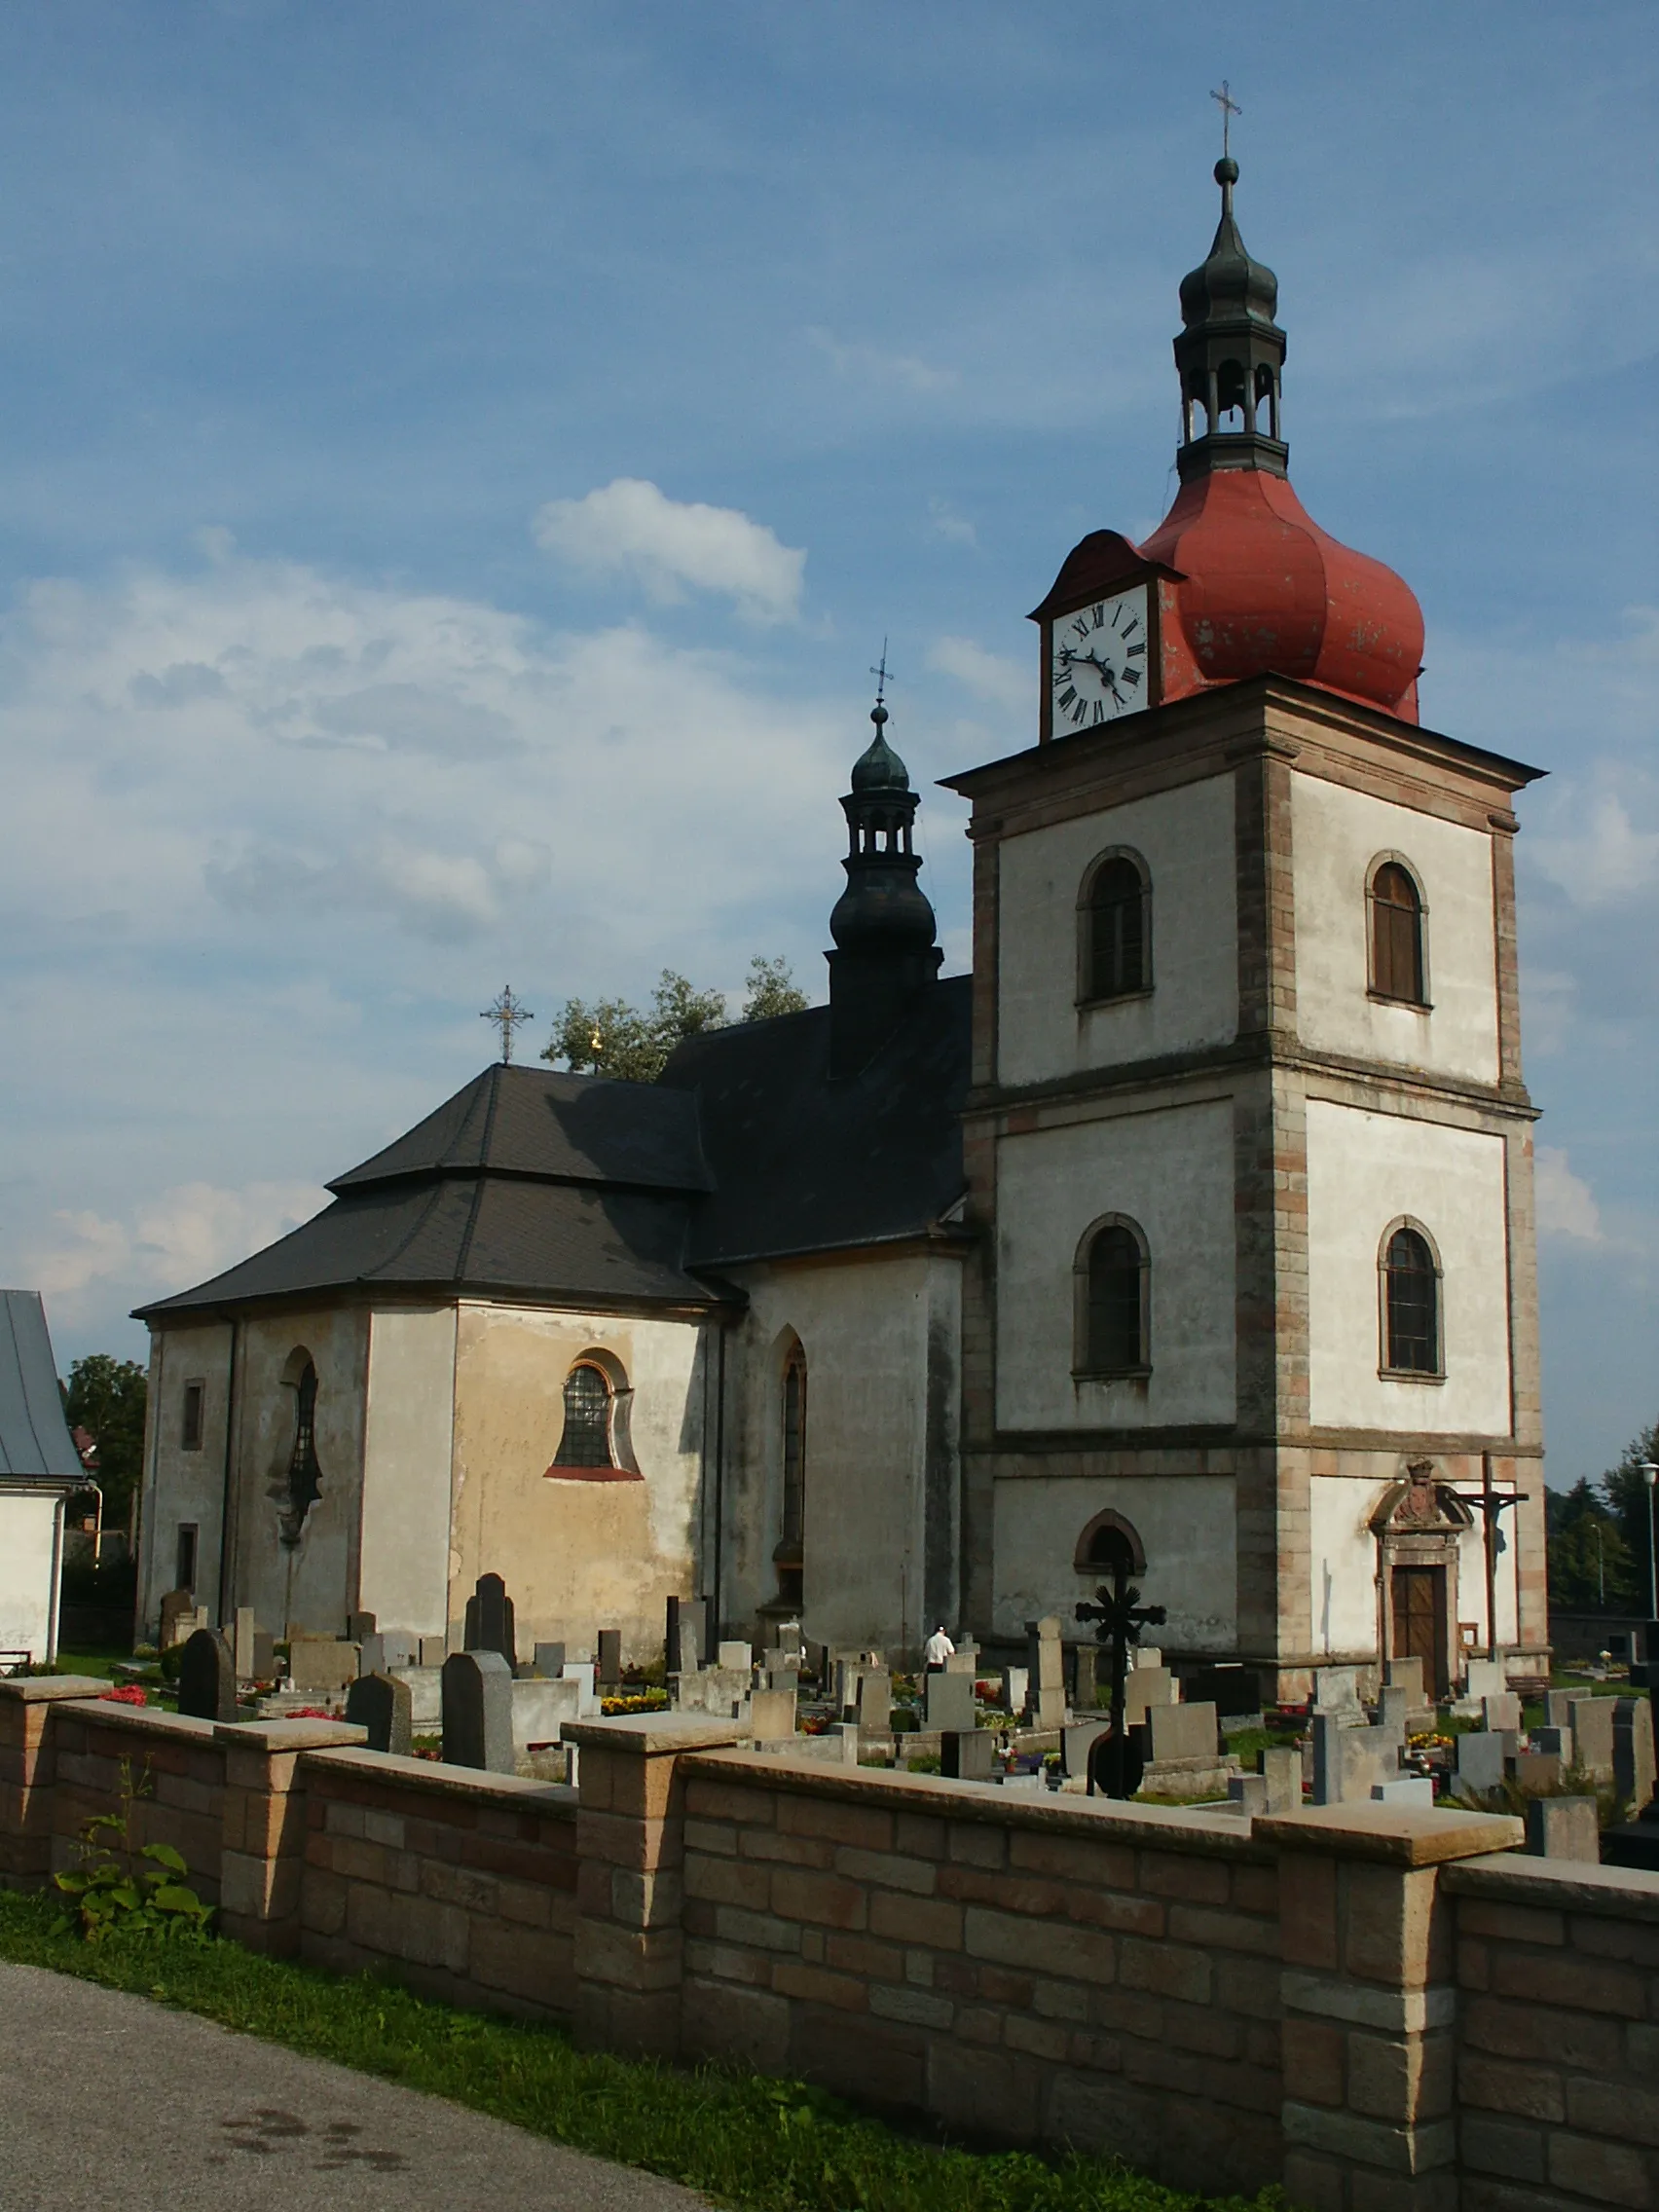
(1336, 836)
(1187, 1522)
(184, 1487)
(1343, 1559)
(1186, 838)
(29, 1559)
(1172, 1171)
(1364, 1171)
(883, 1340)
(576, 1555)
(403, 1577)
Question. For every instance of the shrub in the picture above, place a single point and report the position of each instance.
(121, 1885)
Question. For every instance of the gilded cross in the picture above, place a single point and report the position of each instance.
(1230, 107)
(507, 1014)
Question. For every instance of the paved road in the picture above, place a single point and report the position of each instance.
(111, 2101)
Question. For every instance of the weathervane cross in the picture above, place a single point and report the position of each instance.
(1230, 107)
(882, 678)
(507, 1014)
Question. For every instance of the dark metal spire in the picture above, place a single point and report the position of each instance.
(1231, 352)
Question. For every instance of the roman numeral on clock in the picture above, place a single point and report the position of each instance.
(1067, 696)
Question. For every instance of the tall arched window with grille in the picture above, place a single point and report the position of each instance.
(1411, 1304)
(789, 1556)
(1115, 929)
(1397, 965)
(301, 1483)
(586, 1441)
(1112, 1303)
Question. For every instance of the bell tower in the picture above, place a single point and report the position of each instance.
(1249, 1149)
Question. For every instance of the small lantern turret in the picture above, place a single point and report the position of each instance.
(1230, 355)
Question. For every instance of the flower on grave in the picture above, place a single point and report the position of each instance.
(309, 1712)
(124, 1693)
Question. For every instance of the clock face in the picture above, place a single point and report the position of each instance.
(1097, 662)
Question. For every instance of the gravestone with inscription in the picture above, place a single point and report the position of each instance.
(950, 1700)
(385, 1706)
(478, 1710)
(608, 1667)
(207, 1676)
(488, 1620)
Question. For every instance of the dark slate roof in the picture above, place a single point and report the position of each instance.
(564, 1189)
(35, 1444)
(803, 1164)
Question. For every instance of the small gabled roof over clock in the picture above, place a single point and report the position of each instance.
(1248, 584)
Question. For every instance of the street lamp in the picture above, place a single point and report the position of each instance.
(1649, 1474)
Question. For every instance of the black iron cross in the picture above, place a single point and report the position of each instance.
(1490, 1505)
(507, 1014)
(1119, 1616)
(882, 678)
(1230, 107)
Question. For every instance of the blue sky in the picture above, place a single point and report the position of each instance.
(458, 463)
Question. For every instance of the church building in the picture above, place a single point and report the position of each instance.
(1192, 1228)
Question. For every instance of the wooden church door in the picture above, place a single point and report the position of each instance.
(1419, 1622)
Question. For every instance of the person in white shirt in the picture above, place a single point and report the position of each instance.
(938, 1647)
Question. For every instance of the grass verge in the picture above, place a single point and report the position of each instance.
(748, 2142)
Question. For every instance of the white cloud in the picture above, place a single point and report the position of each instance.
(1004, 683)
(630, 527)
(1567, 1205)
(945, 521)
(1604, 857)
(170, 1242)
(874, 365)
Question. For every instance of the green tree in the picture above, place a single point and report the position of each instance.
(1590, 1563)
(106, 1397)
(1625, 1488)
(772, 991)
(632, 1044)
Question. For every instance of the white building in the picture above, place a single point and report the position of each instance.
(40, 1469)
(1197, 1222)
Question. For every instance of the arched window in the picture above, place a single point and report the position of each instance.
(1107, 1544)
(586, 1441)
(1112, 1300)
(301, 1484)
(790, 1555)
(1396, 935)
(1411, 1304)
(1114, 933)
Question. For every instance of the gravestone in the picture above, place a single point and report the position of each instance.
(581, 1671)
(1077, 1742)
(1336, 1689)
(1405, 1790)
(478, 1710)
(207, 1676)
(875, 1704)
(322, 1663)
(1248, 1794)
(382, 1706)
(243, 1633)
(176, 1606)
(1233, 1690)
(1564, 1828)
(1086, 1683)
(609, 1664)
(549, 1660)
(735, 1657)
(1555, 1708)
(1556, 1740)
(967, 1754)
(426, 1696)
(359, 1626)
(1538, 1770)
(264, 1668)
(772, 1716)
(1503, 1711)
(950, 1700)
(1633, 1752)
(1486, 1677)
(1394, 1705)
(1015, 1686)
(371, 1654)
(685, 1645)
(488, 1620)
(1045, 1664)
(1282, 1772)
(434, 1651)
(1406, 1675)
(1348, 1763)
(1481, 1757)
(1592, 1723)
(541, 1708)
(1145, 1687)
(1182, 1732)
(964, 1660)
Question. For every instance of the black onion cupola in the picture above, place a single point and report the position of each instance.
(882, 923)
(1231, 354)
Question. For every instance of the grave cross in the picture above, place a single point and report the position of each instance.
(507, 1014)
(1489, 1503)
(1119, 1616)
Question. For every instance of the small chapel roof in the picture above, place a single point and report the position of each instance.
(35, 1444)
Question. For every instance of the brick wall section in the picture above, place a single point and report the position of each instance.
(28, 1768)
(464, 1884)
(1558, 2034)
(1022, 1968)
(177, 1762)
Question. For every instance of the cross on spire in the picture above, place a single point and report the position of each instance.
(507, 1014)
(1230, 107)
(881, 674)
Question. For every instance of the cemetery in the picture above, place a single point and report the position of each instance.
(1062, 1902)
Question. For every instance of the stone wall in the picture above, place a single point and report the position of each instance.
(1378, 2006)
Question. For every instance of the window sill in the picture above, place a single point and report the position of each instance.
(1114, 998)
(1111, 1374)
(1410, 1375)
(1408, 1006)
(556, 1474)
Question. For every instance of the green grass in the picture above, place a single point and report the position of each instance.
(752, 2143)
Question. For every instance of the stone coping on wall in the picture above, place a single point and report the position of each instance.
(1559, 1885)
(650, 1732)
(518, 1793)
(1391, 1835)
(1182, 1828)
(145, 1719)
(42, 1690)
(288, 1735)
